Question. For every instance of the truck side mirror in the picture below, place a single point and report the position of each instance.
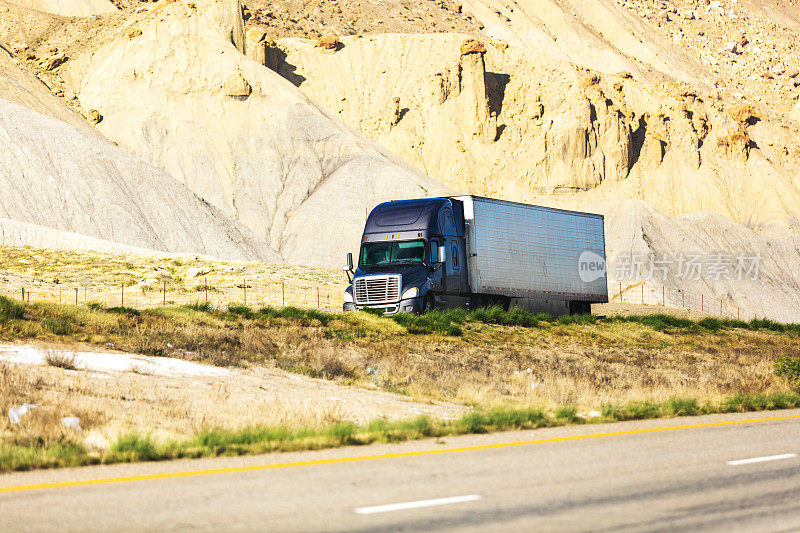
(442, 254)
(349, 266)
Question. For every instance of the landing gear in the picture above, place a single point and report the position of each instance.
(580, 308)
(489, 300)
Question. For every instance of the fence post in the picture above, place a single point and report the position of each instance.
(23, 294)
(244, 288)
(683, 299)
(76, 295)
(123, 295)
(283, 293)
(620, 292)
(317, 296)
(205, 284)
(165, 292)
(59, 295)
(663, 296)
(702, 298)
(642, 293)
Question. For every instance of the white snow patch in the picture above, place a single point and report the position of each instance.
(113, 362)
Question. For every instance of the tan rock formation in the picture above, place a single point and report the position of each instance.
(328, 42)
(186, 99)
(559, 128)
(472, 91)
(70, 8)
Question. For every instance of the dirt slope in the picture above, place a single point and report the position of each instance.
(70, 8)
(635, 230)
(56, 176)
(173, 87)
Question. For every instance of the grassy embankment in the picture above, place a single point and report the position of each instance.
(517, 370)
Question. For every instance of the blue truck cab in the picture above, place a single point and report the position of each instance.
(403, 263)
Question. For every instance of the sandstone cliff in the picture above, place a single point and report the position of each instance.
(173, 86)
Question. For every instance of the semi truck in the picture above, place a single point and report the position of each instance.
(469, 251)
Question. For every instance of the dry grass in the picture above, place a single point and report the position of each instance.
(625, 367)
(60, 359)
(53, 276)
(587, 364)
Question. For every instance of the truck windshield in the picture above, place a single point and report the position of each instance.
(393, 252)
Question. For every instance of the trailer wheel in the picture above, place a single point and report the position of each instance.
(428, 303)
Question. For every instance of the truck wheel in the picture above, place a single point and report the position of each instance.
(428, 303)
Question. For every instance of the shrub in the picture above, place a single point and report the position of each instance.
(10, 310)
(711, 324)
(567, 412)
(683, 406)
(515, 317)
(119, 310)
(578, 319)
(632, 411)
(760, 402)
(134, 447)
(199, 306)
(60, 360)
(489, 315)
(58, 325)
(659, 322)
(240, 310)
(788, 369)
(304, 315)
(445, 322)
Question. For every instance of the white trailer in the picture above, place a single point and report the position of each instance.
(533, 252)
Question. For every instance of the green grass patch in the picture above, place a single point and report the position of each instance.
(445, 322)
(788, 369)
(11, 310)
(257, 439)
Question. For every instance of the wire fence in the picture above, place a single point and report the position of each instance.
(254, 294)
(643, 293)
(301, 293)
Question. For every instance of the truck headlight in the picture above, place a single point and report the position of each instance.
(413, 292)
(348, 296)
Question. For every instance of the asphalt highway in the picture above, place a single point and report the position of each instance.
(726, 472)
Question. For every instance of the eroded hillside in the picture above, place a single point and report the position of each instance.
(627, 107)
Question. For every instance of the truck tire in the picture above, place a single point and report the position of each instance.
(428, 303)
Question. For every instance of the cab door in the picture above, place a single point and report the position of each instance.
(455, 270)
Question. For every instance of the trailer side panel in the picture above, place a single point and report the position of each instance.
(528, 251)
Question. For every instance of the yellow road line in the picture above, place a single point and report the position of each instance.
(397, 455)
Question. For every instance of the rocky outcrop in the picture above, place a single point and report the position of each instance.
(70, 8)
(795, 114)
(557, 128)
(472, 88)
(186, 99)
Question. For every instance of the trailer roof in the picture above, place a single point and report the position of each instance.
(496, 200)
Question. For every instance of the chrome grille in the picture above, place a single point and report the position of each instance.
(377, 289)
